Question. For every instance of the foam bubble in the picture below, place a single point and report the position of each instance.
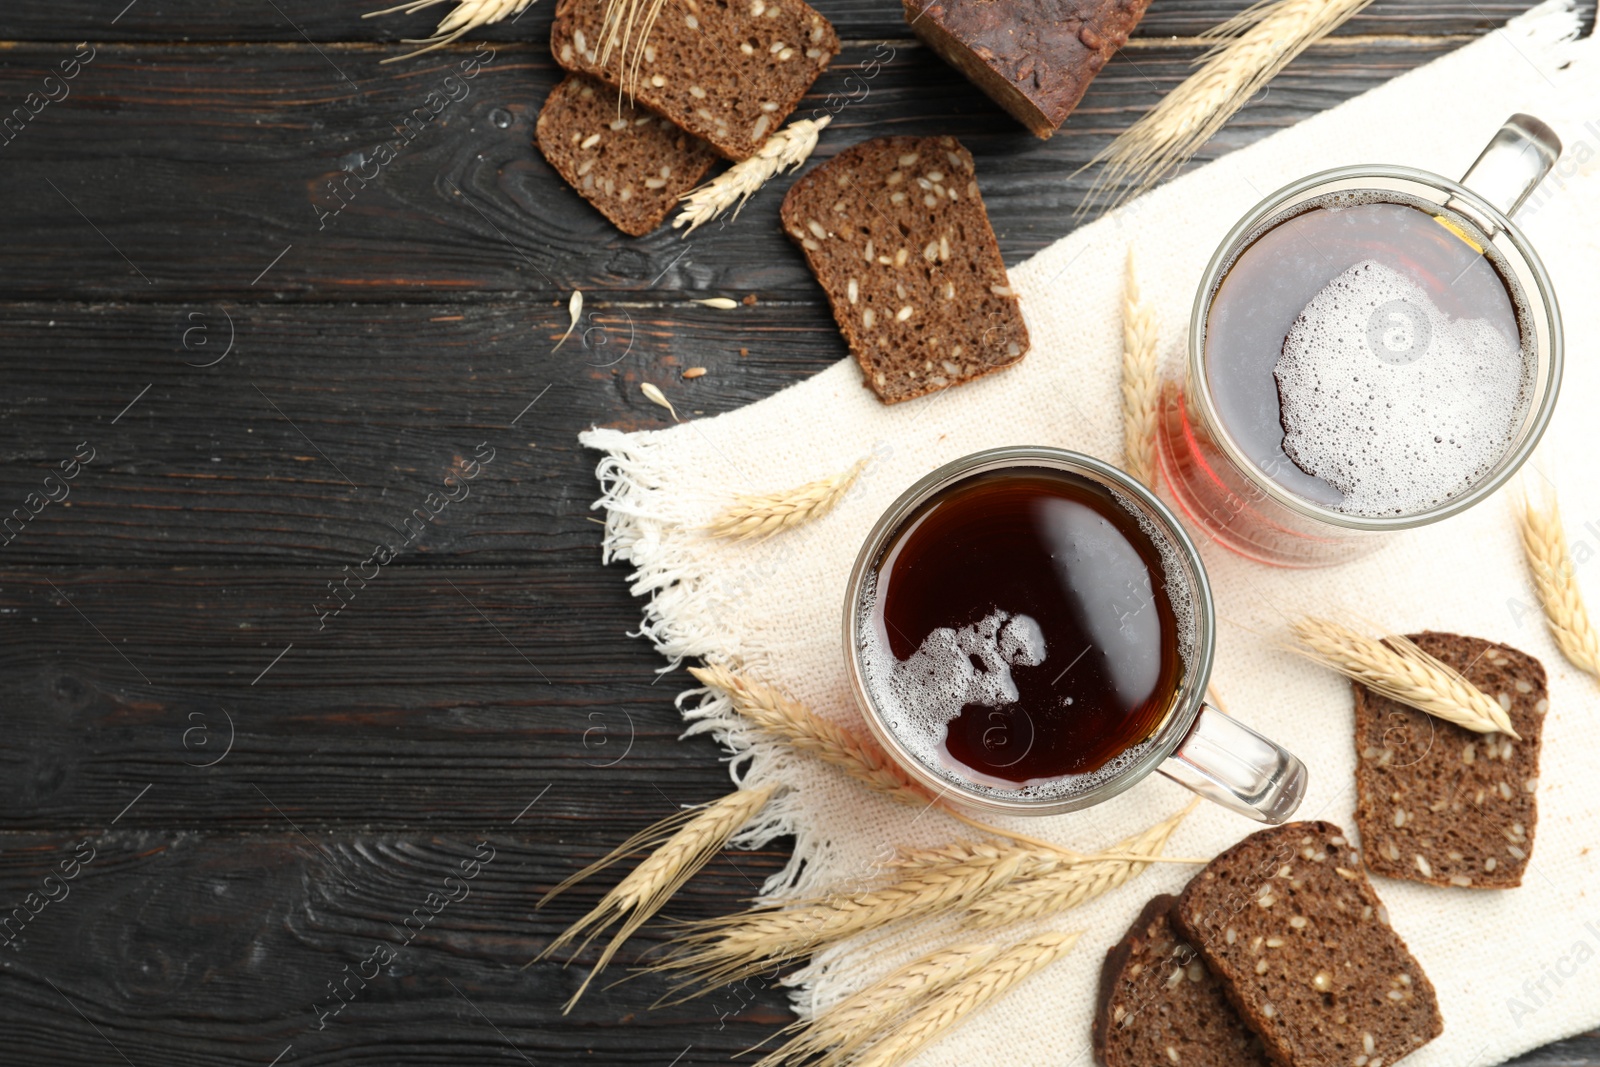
(1392, 402)
(919, 696)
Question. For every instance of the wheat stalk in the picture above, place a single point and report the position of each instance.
(1544, 545)
(1140, 385)
(993, 881)
(803, 729)
(759, 516)
(1068, 885)
(1396, 668)
(838, 746)
(696, 836)
(727, 949)
(1253, 47)
(948, 1008)
(784, 150)
(468, 15)
(857, 1020)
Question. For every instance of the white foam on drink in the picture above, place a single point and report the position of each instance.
(1392, 402)
(918, 697)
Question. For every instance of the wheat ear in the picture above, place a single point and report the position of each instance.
(1253, 47)
(727, 949)
(1140, 385)
(1067, 886)
(1544, 545)
(759, 516)
(948, 1008)
(838, 746)
(858, 1019)
(784, 150)
(698, 836)
(468, 15)
(1396, 668)
(808, 732)
(626, 29)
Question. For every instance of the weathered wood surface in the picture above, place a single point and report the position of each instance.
(105, 204)
(480, 688)
(299, 20)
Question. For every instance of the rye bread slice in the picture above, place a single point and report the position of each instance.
(897, 235)
(631, 164)
(1440, 804)
(1159, 1004)
(728, 71)
(1288, 922)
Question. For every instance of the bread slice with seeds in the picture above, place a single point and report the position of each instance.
(727, 71)
(630, 164)
(1441, 804)
(1288, 922)
(896, 233)
(1159, 1004)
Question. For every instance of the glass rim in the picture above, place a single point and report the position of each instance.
(1544, 304)
(1187, 701)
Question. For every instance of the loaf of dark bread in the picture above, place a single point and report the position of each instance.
(1288, 922)
(630, 163)
(727, 71)
(896, 233)
(1035, 58)
(1159, 1004)
(1441, 804)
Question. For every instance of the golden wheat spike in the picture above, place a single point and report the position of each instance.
(1544, 546)
(835, 1034)
(699, 835)
(1396, 668)
(1253, 47)
(1141, 387)
(950, 1007)
(759, 516)
(1066, 886)
(727, 949)
(808, 732)
(838, 746)
(467, 16)
(784, 150)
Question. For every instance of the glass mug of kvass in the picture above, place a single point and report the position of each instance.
(1371, 349)
(1030, 631)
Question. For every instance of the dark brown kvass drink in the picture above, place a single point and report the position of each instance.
(1024, 631)
(1369, 355)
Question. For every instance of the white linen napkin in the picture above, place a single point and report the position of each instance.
(1515, 969)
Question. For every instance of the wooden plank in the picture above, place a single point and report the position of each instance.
(109, 201)
(204, 949)
(296, 20)
(204, 698)
(248, 459)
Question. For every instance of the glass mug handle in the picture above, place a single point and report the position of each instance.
(1230, 764)
(1514, 161)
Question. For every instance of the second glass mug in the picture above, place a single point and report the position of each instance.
(1232, 495)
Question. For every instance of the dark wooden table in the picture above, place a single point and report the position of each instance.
(268, 387)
